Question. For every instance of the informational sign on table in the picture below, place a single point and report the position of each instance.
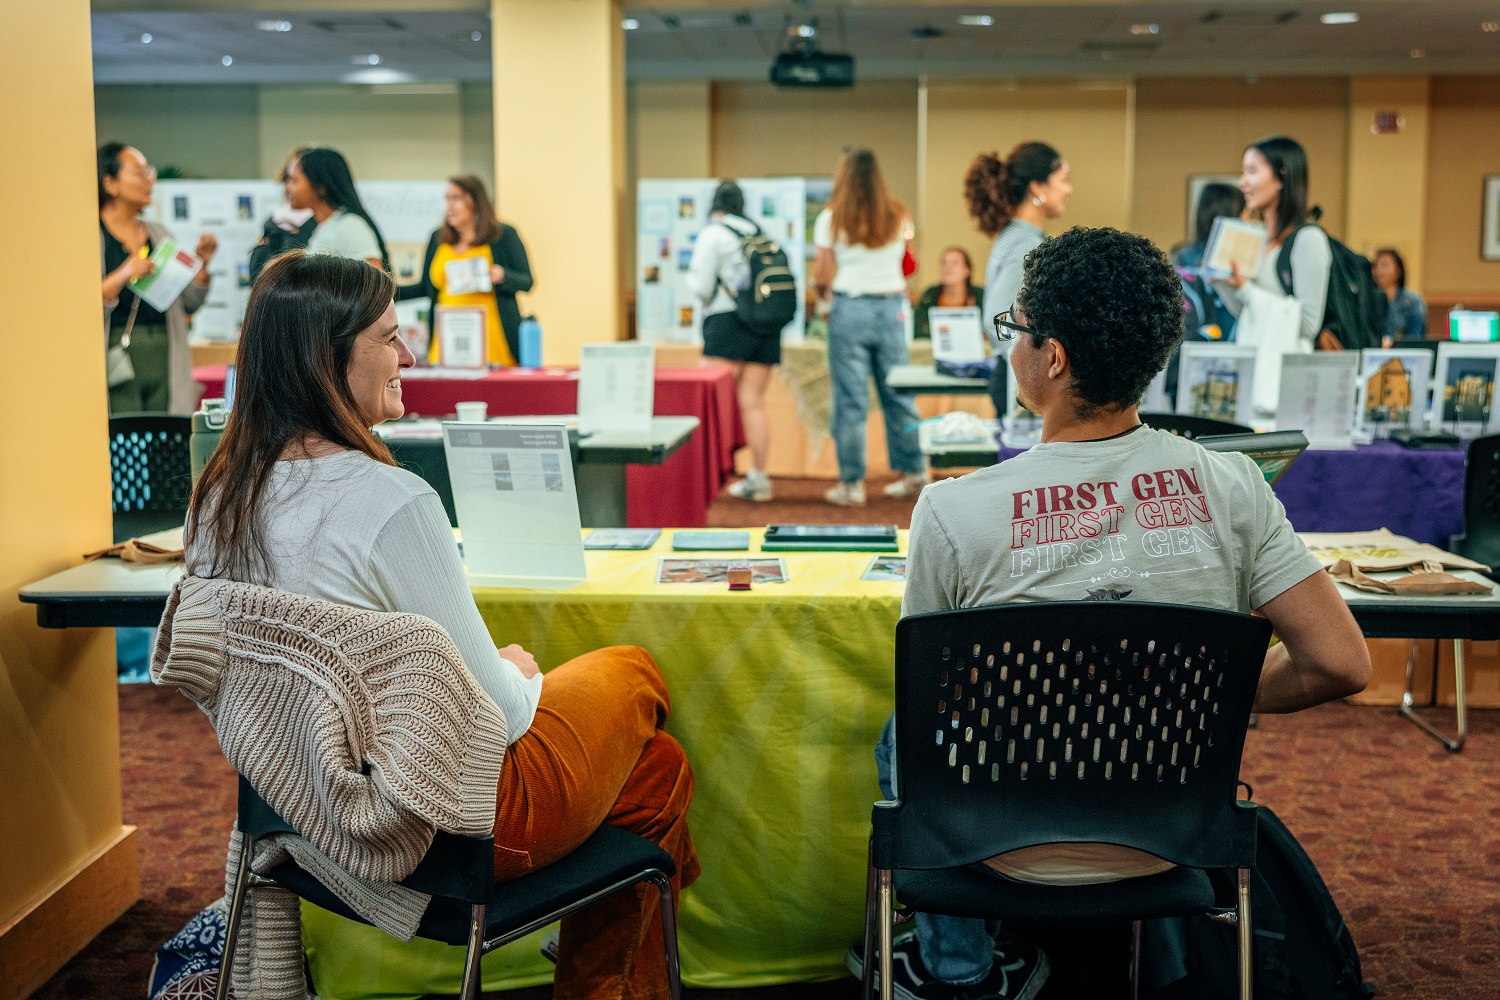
(1217, 381)
(462, 337)
(1317, 398)
(616, 388)
(517, 504)
(1392, 390)
(956, 334)
(1463, 395)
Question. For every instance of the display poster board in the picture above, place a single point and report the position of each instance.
(1217, 381)
(957, 335)
(669, 216)
(517, 504)
(1463, 394)
(235, 211)
(1392, 390)
(1317, 398)
(616, 388)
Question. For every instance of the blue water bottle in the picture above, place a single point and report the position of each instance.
(531, 343)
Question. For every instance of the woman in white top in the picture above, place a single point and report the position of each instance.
(716, 273)
(1273, 177)
(862, 237)
(319, 180)
(300, 496)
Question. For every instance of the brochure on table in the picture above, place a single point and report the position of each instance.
(669, 216)
(957, 335)
(616, 388)
(1392, 390)
(1463, 395)
(1317, 397)
(235, 211)
(1217, 381)
(517, 504)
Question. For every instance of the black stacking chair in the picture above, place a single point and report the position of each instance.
(467, 908)
(1067, 722)
(1192, 427)
(150, 466)
(1480, 540)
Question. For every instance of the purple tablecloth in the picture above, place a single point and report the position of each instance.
(1419, 494)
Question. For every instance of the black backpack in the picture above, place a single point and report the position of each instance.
(1356, 307)
(275, 241)
(769, 301)
(1303, 951)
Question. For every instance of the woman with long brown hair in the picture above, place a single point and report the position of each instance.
(471, 230)
(862, 237)
(300, 496)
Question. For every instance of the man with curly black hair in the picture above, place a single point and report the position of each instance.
(1105, 508)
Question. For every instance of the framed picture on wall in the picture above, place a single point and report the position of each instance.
(1195, 185)
(1490, 245)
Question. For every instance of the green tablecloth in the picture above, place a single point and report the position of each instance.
(778, 695)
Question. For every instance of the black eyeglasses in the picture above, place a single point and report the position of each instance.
(1006, 328)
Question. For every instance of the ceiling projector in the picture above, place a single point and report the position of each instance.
(813, 69)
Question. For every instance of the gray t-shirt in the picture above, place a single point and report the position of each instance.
(1146, 516)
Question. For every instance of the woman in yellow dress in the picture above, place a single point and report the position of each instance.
(473, 243)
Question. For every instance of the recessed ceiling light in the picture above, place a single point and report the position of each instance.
(1346, 17)
(1490, 26)
(146, 38)
(476, 36)
(1145, 29)
(630, 24)
(976, 20)
(1419, 53)
(226, 61)
(274, 25)
(370, 60)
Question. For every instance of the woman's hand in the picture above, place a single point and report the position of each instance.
(208, 245)
(524, 661)
(1328, 342)
(1236, 280)
(135, 267)
(497, 274)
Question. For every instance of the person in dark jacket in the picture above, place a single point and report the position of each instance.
(471, 233)
(288, 228)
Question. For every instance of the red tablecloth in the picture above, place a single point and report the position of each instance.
(674, 494)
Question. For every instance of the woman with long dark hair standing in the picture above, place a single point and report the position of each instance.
(862, 238)
(300, 496)
(320, 180)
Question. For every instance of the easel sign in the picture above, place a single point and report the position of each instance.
(617, 388)
(1217, 381)
(1463, 396)
(1317, 398)
(463, 340)
(1392, 390)
(956, 335)
(517, 504)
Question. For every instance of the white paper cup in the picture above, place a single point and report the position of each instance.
(471, 413)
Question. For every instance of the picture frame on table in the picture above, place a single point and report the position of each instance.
(1489, 246)
(1392, 390)
(1463, 396)
(1217, 381)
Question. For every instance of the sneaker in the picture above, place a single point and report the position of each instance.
(908, 485)
(752, 487)
(1019, 972)
(846, 495)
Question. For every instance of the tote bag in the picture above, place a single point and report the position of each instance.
(1272, 324)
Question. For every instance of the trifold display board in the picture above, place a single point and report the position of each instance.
(236, 211)
(669, 216)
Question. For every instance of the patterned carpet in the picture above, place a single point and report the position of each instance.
(1402, 831)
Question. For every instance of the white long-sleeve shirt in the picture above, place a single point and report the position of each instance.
(1311, 262)
(348, 529)
(718, 264)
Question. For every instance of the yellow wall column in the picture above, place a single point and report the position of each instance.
(559, 79)
(67, 865)
(1388, 173)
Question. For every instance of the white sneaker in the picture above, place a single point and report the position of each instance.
(909, 485)
(846, 495)
(752, 487)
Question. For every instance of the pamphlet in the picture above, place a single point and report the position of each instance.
(468, 275)
(1317, 397)
(1233, 242)
(622, 538)
(886, 568)
(709, 541)
(957, 335)
(174, 268)
(462, 337)
(616, 388)
(717, 570)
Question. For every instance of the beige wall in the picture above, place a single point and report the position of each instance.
(205, 131)
(385, 135)
(59, 725)
(1386, 169)
(1464, 146)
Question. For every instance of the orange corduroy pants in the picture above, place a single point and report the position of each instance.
(595, 754)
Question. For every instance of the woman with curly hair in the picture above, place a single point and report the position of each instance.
(1011, 199)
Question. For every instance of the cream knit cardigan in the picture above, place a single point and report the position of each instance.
(360, 728)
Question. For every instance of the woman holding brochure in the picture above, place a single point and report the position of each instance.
(476, 261)
(148, 365)
(300, 496)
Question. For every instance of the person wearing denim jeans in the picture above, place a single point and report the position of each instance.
(865, 338)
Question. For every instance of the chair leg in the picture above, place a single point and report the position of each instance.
(669, 935)
(867, 981)
(1135, 960)
(236, 910)
(469, 990)
(1247, 935)
(885, 902)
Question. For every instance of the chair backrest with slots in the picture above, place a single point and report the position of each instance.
(150, 469)
(1081, 722)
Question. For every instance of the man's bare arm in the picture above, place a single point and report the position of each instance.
(1322, 654)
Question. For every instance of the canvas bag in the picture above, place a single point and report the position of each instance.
(1272, 324)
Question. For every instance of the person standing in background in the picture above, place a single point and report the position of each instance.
(954, 290)
(716, 273)
(319, 180)
(288, 228)
(472, 230)
(1011, 200)
(154, 372)
(1214, 201)
(862, 237)
(1406, 319)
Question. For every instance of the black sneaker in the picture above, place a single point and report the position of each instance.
(1019, 972)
